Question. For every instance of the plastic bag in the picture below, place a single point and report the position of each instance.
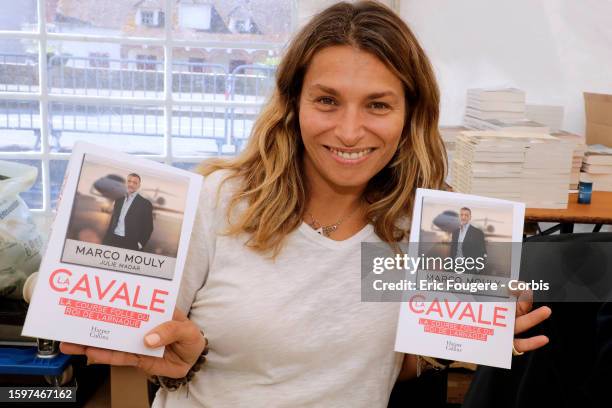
(20, 242)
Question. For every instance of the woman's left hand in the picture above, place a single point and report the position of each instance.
(526, 319)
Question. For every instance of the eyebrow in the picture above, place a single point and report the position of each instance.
(374, 95)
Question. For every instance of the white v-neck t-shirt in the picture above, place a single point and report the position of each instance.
(289, 332)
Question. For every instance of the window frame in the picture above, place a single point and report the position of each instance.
(44, 97)
(167, 101)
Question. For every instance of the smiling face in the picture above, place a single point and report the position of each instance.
(351, 112)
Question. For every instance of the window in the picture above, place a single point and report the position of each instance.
(152, 66)
(147, 18)
(196, 64)
(152, 18)
(145, 90)
(242, 26)
(99, 60)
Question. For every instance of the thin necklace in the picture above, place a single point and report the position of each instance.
(326, 230)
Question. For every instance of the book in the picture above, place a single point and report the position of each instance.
(483, 114)
(598, 154)
(496, 106)
(449, 135)
(497, 94)
(597, 168)
(443, 317)
(505, 125)
(549, 115)
(519, 125)
(577, 157)
(113, 264)
(601, 182)
(487, 105)
(531, 167)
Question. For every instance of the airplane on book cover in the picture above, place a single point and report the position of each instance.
(94, 211)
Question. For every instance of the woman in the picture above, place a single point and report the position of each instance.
(273, 273)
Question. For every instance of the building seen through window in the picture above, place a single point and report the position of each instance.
(223, 56)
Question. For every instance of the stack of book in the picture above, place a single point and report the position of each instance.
(528, 167)
(577, 157)
(519, 125)
(489, 165)
(597, 167)
(549, 115)
(546, 172)
(499, 109)
(506, 104)
(449, 137)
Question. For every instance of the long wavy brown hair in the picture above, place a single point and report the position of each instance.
(270, 168)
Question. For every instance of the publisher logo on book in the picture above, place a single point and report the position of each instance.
(453, 346)
(98, 333)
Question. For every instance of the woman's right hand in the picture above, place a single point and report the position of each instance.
(183, 340)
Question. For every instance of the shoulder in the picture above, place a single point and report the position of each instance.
(143, 200)
(476, 229)
(216, 180)
(217, 190)
(219, 187)
(209, 224)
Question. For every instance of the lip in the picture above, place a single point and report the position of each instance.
(344, 161)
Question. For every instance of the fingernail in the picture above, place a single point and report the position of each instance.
(152, 339)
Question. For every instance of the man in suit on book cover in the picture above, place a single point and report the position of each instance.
(131, 224)
(467, 240)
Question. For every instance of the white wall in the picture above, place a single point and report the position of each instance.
(552, 49)
(84, 49)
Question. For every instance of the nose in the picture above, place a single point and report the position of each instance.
(350, 127)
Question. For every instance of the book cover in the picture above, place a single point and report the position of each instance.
(462, 313)
(113, 264)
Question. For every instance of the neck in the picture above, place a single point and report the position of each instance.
(328, 203)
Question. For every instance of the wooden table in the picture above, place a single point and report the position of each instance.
(598, 212)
